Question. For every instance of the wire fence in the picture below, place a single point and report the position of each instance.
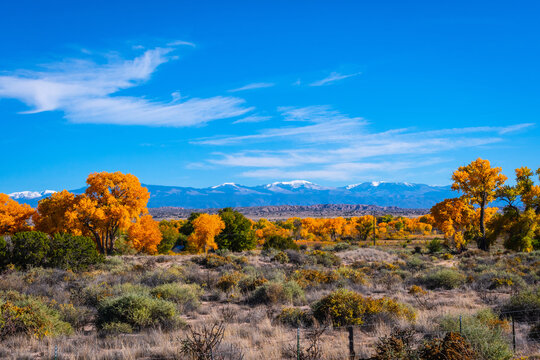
(515, 327)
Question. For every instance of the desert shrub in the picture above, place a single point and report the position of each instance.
(345, 307)
(296, 257)
(279, 242)
(228, 281)
(30, 248)
(93, 294)
(212, 261)
(324, 258)
(276, 292)
(138, 311)
(115, 328)
(493, 279)
(164, 276)
(342, 246)
(186, 295)
(72, 252)
(399, 345)
(5, 257)
(447, 256)
(21, 314)
(534, 332)
(523, 306)
(416, 263)
(295, 317)
(452, 347)
(353, 275)
(484, 331)
(434, 246)
(443, 278)
(281, 257)
(76, 316)
(311, 277)
(251, 282)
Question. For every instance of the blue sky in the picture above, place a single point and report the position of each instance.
(206, 92)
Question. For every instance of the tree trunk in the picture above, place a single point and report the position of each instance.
(483, 244)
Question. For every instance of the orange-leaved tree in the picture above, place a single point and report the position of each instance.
(13, 216)
(51, 214)
(205, 229)
(479, 183)
(110, 204)
(145, 235)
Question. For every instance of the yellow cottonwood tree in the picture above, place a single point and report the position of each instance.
(145, 234)
(479, 183)
(205, 229)
(13, 216)
(51, 214)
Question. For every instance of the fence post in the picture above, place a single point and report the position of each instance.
(460, 327)
(513, 334)
(352, 355)
(56, 352)
(297, 343)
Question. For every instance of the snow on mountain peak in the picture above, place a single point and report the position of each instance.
(224, 184)
(30, 194)
(294, 184)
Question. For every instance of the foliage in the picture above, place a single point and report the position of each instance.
(311, 277)
(346, 307)
(138, 311)
(200, 343)
(281, 257)
(524, 305)
(484, 331)
(13, 216)
(185, 295)
(228, 281)
(27, 315)
(72, 252)
(5, 256)
(237, 234)
(30, 248)
(295, 317)
(280, 243)
(205, 229)
(434, 246)
(479, 182)
(109, 205)
(275, 292)
(452, 347)
(170, 236)
(324, 258)
(443, 278)
(145, 235)
(51, 216)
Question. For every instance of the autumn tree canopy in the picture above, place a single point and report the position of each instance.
(51, 214)
(13, 216)
(145, 235)
(205, 229)
(479, 183)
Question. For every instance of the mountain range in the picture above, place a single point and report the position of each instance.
(297, 192)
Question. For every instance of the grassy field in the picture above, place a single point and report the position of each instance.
(148, 307)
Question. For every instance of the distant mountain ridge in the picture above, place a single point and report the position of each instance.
(296, 192)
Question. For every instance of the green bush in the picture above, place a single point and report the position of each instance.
(5, 257)
(523, 306)
(72, 252)
(30, 249)
(444, 278)
(324, 258)
(185, 295)
(237, 235)
(434, 246)
(493, 279)
(484, 331)
(22, 314)
(281, 257)
(279, 242)
(275, 292)
(138, 311)
(295, 317)
(346, 307)
(115, 328)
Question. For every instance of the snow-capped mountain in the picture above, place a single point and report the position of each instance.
(30, 194)
(296, 192)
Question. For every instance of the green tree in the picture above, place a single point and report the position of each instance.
(72, 252)
(237, 235)
(4, 254)
(30, 248)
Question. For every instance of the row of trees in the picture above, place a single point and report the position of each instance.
(468, 217)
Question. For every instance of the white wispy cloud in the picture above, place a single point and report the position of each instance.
(331, 145)
(252, 119)
(85, 91)
(333, 77)
(253, 86)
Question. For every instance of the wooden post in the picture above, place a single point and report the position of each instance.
(513, 334)
(298, 343)
(460, 324)
(352, 355)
